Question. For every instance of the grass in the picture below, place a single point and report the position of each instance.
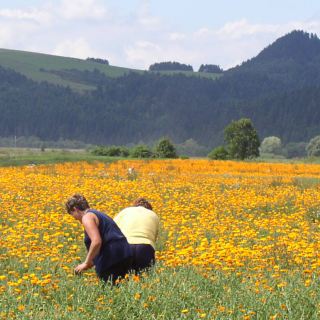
(164, 293)
(25, 156)
(31, 63)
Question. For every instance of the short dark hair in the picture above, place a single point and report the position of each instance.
(77, 201)
(142, 202)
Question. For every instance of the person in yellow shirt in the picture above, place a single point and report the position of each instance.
(140, 225)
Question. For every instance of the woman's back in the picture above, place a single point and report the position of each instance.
(114, 246)
(139, 225)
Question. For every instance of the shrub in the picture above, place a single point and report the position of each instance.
(295, 149)
(112, 151)
(313, 147)
(219, 153)
(271, 145)
(141, 151)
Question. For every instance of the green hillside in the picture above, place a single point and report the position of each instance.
(45, 67)
(37, 66)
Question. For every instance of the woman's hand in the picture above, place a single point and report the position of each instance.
(82, 267)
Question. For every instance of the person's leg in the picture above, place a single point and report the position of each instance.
(143, 256)
(117, 271)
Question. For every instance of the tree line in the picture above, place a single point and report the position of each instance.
(177, 66)
(280, 96)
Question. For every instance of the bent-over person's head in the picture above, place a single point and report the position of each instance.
(142, 202)
(77, 201)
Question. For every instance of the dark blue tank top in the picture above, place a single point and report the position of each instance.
(114, 248)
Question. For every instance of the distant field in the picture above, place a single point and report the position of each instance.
(37, 66)
(30, 64)
(29, 156)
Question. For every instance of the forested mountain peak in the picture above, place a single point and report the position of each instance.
(297, 46)
(279, 90)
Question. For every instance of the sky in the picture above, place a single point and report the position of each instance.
(138, 33)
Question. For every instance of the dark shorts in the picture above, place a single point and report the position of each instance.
(117, 271)
(143, 256)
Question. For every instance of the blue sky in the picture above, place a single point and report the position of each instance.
(136, 33)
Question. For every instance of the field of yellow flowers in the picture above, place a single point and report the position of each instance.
(238, 241)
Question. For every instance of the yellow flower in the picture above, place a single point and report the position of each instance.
(21, 307)
(137, 296)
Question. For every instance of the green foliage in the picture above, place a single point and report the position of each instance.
(170, 66)
(167, 293)
(36, 142)
(271, 145)
(165, 149)
(112, 151)
(242, 139)
(218, 153)
(141, 151)
(31, 65)
(191, 148)
(295, 150)
(98, 60)
(24, 156)
(210, 68)
(276, 89)
(313, 147)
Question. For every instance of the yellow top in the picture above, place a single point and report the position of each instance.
(139, 225)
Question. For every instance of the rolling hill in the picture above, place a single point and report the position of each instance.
(39, 67)
(59, 70)
(279, 90)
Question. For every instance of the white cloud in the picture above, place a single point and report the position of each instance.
(142, 52)
(241, 28)
(36, 15)
(5, 36)
(81, 9)
(174, 36)
(82, 28)
(144, 17)
(78, 48)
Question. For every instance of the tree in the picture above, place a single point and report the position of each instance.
(98, 60)
(141, 151)
(170, 66)
(242, 139)
(165, 149)
(191, 148)
(313, 147)
(112, 151)
(295, 150)
(219, 153)
(271, 145)
(210, 68)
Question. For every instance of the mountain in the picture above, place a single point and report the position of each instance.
(65, 71)
(45, 67)
(297, 46)
(278, 89)
(293, 59)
